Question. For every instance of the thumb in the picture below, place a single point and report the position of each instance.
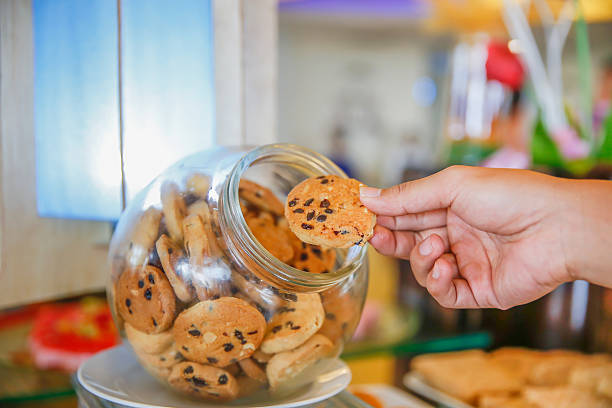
(426, 194)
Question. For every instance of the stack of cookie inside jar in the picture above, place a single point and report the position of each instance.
(199, 317)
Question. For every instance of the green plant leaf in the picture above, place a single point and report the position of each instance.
(544, 151)
(604, 152)
(469, 153)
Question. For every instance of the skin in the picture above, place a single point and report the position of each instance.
(495, 238)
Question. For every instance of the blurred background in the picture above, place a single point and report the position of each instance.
(98, 97)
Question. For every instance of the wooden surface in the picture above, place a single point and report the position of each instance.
(40, 258)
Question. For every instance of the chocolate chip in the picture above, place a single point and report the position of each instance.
(188, 370)
(199, 382)
(296, 327)
(170, 251)
(289, 324)
(162, 359)
(212, 360)
(325, 203)
(258, 194)
(330, 316)
(276, 329)
(324, 181)
(151, 279)
(344, 325)
(303, 256)
(195, 332)
(178, 356)
(359, 242)
(299, 211)
(329, 211)
(310, 215)
(324, 271)
(228, 347)
(148, 294)
(321, 218)
(306, 270)
(336, 232)
(285, 309)
(344, 232)
(292, 297)
(316, 251)
(293, 202)
(130, 311)
(307, 226)
(140, 284)
(185, 348)
(234, 290)
(154, 322)
(128, 302)
(223, 379)
(238, 334)
(215, 297)
(308, 202)
(252, 332)
(320, 177)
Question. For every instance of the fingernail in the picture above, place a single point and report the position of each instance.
(435, 274)
(369, 191)
(425, 247)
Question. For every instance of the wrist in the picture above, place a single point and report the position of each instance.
(585, 226)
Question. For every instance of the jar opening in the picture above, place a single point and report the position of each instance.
(287, 165)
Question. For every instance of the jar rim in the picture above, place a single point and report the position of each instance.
(231, 215)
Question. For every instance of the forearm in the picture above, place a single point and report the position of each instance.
(586, 229)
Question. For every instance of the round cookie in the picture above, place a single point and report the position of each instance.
(271, 237)
(166, 359)
(326, 211)
(287, 365)
(146, 299)
(261, 357)
(253, 370)
(293, 323)
(313, 258)
(203, 381)
(171, 256)
(198, 184)
(260, 197)
(219, 332)
(144, 234)
(148, 343)
(341, 315)
(174, 210)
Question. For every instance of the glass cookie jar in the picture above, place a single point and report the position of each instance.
(217, 297)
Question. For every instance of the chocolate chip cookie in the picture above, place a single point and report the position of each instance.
(219, 332)
(198, 184)
(313, 258)
(270, 236)
(174, 210)
(148, 343)
(173, 261)
(293, 323)
(287, 365)
(143, 236)
(327, 211)
(260, 197)
(203, 381)
(146, 299)
(253, 370)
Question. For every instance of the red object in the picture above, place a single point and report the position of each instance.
(64, 335)
(504, 66)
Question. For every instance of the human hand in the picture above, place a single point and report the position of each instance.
(478, 237)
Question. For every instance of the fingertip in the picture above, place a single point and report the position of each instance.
(381, 239)
(369, 192)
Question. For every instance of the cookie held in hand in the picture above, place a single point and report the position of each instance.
(326, 211)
